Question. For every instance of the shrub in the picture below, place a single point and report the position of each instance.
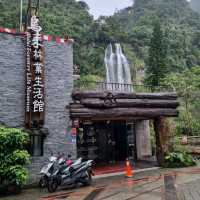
(13, 157)
(178, 159)
(187, 125)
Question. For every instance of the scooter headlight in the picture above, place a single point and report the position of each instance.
(90, 163)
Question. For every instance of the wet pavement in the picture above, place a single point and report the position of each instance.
(144, 185)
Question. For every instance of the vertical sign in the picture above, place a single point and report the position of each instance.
(28, 80)
(35, 103)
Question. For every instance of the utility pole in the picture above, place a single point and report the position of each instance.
(21, 14)
(33, 9)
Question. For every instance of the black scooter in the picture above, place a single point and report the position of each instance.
(78, 172)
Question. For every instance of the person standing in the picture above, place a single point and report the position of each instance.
(111, 149)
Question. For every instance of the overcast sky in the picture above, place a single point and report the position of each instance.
(106, 7)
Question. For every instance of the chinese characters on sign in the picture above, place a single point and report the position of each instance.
(35, 75)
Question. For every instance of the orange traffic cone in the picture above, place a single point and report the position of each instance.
(129, 172)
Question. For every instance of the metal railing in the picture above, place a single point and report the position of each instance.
(119, 87)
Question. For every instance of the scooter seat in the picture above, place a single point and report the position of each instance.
(73, 168)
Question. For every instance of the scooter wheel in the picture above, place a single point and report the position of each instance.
(52, 185)
(88, 179)
(42, 182)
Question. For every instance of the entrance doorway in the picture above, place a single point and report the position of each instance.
(120, 137)
(106, 142)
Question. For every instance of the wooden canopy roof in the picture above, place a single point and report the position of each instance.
(124, 106)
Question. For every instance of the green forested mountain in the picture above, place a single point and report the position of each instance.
(132, 27)
(59, 18)
(180, 24)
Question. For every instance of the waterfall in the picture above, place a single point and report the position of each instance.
(118, 76)
(109, 63)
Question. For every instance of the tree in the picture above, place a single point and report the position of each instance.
(187, 86)
(157, 68)
(132, 26)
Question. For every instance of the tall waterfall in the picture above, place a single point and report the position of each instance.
(118, 74)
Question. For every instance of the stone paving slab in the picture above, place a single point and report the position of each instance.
(191, 190)
(81, 194)
(143, 186)
(152, 196)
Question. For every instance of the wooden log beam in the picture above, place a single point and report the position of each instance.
(123, 112)
(78, 95)
(129, 103)
(75, 106)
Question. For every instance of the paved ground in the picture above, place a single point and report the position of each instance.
(144, 186)
(191, 191)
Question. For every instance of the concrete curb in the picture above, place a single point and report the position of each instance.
(123, 173)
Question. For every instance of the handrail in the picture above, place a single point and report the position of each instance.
(120, 87)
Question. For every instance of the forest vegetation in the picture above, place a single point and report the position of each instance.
(134, 28)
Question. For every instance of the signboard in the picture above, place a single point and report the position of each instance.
(71, 139)
(35, 104)
(74, 131)
(76, 123)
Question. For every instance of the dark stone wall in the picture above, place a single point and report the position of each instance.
(12, 80)
(58, 88)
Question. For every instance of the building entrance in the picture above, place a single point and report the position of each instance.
(106, 142)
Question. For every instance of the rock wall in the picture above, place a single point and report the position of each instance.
(58, 88)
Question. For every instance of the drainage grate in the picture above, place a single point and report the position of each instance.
(62, 197)
(94, 194)
(57, 196)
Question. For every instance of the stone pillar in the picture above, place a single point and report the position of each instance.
(143, 139)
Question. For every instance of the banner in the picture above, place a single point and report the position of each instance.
(48, 38)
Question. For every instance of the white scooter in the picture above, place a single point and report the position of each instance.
(48, 169)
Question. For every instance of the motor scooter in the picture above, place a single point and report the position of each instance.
(78, 172)
(48, 169)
